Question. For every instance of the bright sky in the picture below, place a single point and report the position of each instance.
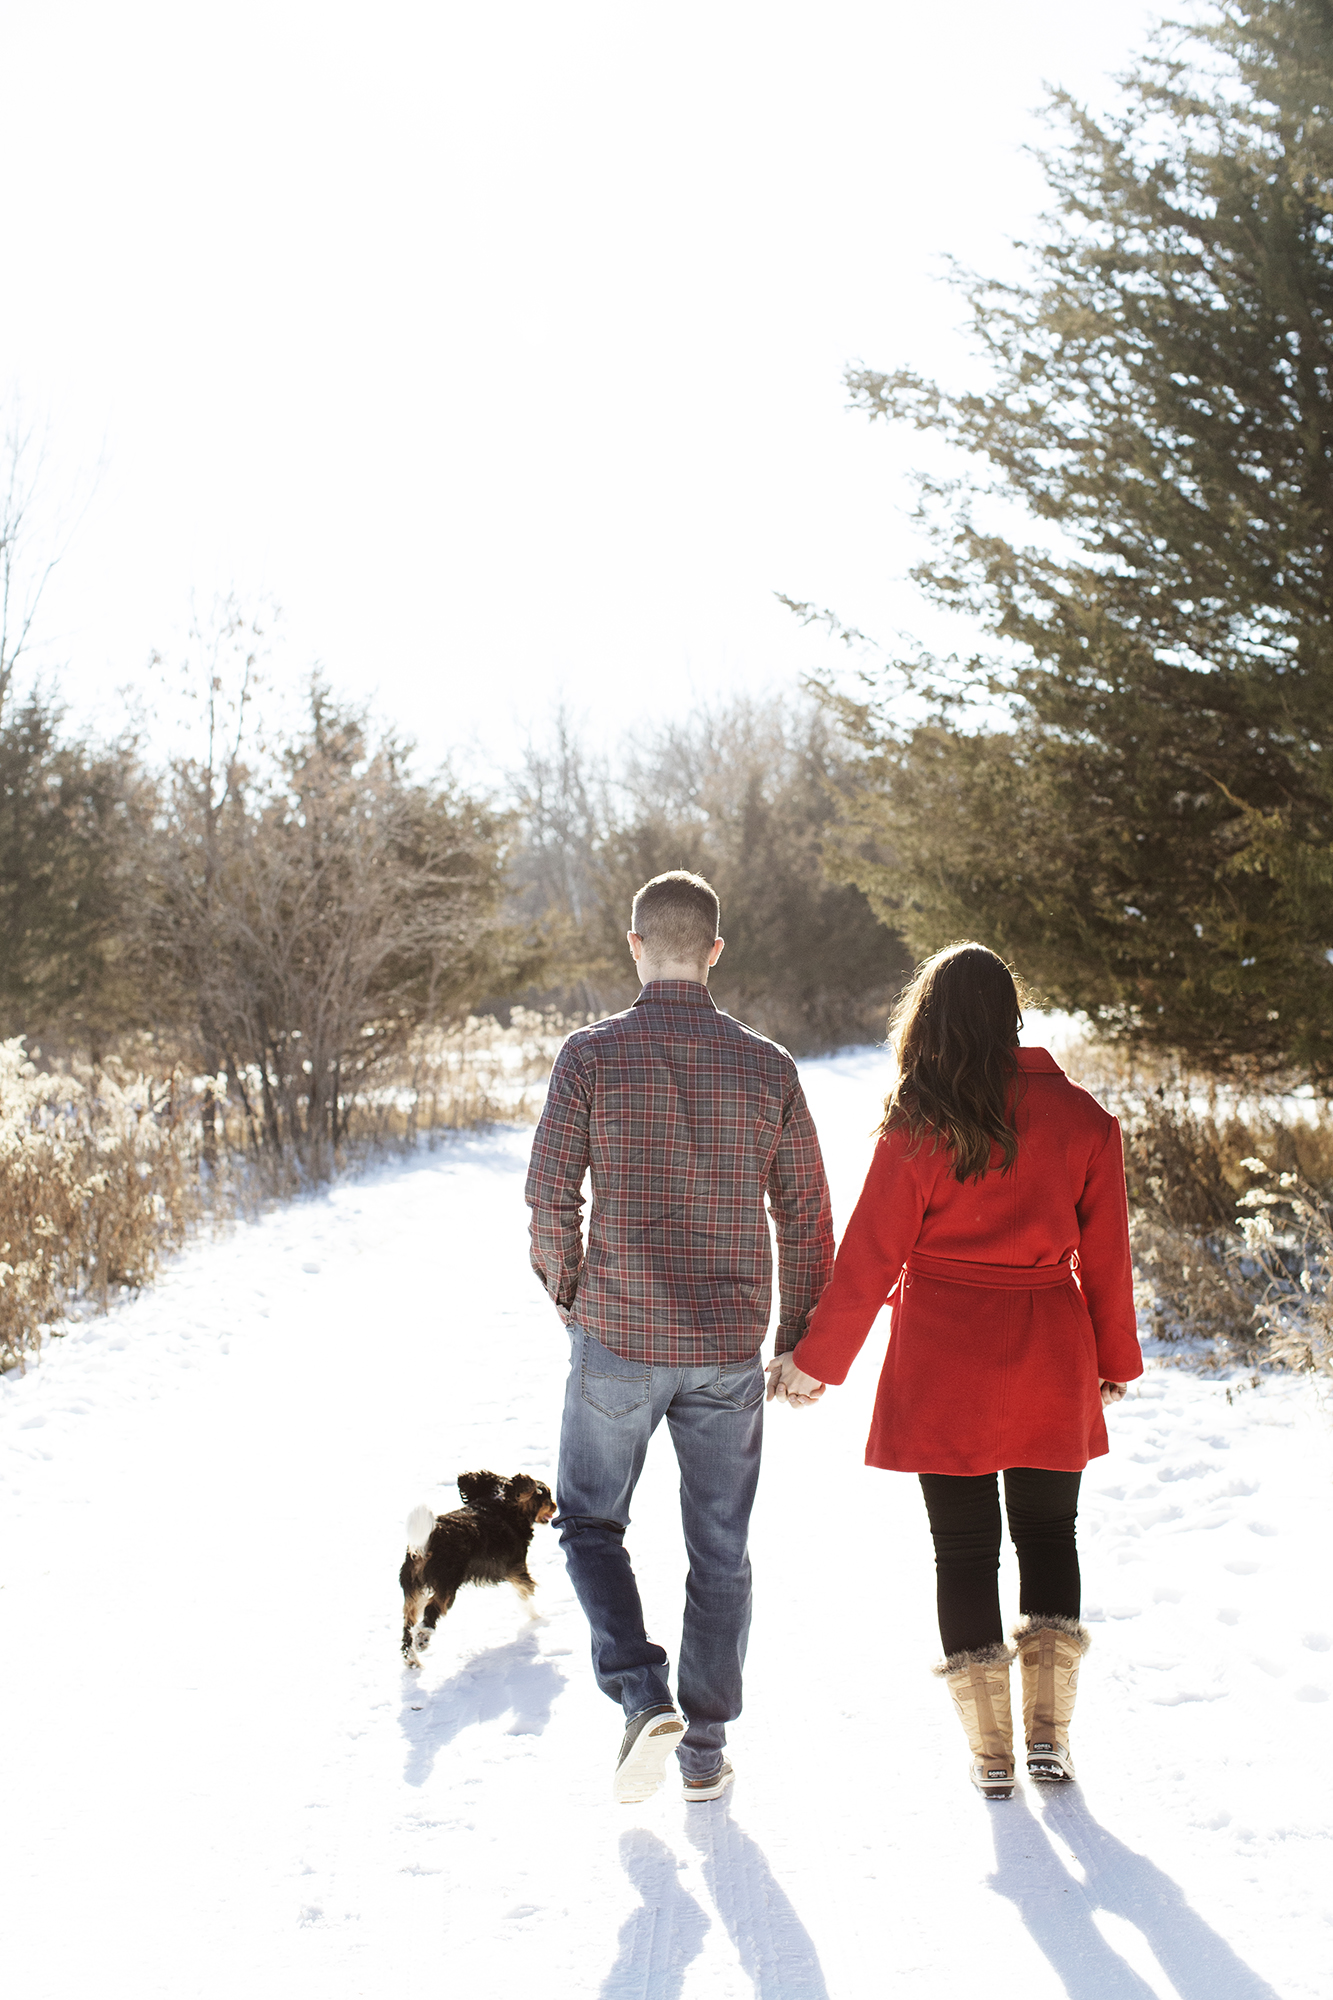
(502, 345)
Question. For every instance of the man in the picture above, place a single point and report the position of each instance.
(685, 1119)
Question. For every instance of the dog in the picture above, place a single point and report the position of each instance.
(484, 1541)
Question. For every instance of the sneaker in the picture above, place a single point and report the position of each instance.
(641, 1765)
(697, 1789)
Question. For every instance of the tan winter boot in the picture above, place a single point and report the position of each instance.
(979, 1684)
(1050, 1649)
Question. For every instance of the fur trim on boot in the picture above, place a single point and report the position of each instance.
(999, 1651)
(978, 1683)
(1050, 1652)
(1052, 1621)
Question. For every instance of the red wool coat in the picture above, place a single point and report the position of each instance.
(996, 1349)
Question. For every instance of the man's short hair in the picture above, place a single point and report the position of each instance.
(678, 917)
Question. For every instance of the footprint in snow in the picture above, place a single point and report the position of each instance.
(1318, 1642)
(1312, 1694)
(1264, 1528)
(1228, 1615)
(1242, 1566)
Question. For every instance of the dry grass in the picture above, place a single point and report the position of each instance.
(478, 1073)
(99, 1177)
(103, 1172)
(1229, 1197)
(1289, 1241)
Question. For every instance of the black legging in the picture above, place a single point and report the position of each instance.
(965, 1525)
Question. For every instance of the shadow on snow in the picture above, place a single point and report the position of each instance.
(659, 1940)
(1060, 1913)
(513, 1678)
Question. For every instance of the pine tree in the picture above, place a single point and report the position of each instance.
(1151, 836)
(66, 810)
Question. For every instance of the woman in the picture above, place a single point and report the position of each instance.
(994, 1217)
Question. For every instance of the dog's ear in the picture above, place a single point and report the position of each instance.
(522, 1490)
(478, 1486)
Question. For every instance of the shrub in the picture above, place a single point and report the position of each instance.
(306, 924)
(97, 1181)
(746, 794)
(1288, 1237)
(1229, 1217)
(103, 1172)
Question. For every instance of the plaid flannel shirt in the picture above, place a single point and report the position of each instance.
(685, 1119)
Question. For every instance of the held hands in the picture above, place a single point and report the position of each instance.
(786, 1382)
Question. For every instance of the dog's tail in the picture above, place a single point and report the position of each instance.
(420, 1522)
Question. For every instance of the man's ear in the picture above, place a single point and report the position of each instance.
(719, 945)
(635, 944)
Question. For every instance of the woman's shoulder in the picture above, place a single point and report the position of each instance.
(1046, 1085)
(899, 1150)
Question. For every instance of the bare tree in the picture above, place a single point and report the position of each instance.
(26, 560)
(320, 910)
(745, 792)
(566, 805)
(218, 681)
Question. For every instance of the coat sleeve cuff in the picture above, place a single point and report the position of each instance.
(1119, 1361)
(816, 1355)
(789, 1332)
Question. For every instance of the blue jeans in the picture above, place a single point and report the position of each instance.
(716, 1418)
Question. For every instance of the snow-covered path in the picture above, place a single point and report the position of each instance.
(215, 1778)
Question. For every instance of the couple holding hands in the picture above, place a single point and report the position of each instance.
(994, 1220)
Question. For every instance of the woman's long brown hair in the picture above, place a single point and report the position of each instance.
(955, 1033)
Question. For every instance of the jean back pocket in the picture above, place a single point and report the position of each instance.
(741, 1383)
(611, 1384)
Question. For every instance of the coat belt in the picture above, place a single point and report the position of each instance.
(995, 1277)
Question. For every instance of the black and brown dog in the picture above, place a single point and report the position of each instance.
(484, 1541)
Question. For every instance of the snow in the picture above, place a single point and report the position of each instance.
(218, 1780)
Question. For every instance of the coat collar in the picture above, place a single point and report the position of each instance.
(687, 992)
(1039, 1061)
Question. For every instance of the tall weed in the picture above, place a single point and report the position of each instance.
(104, 1171)
(99, 1177)
(1289, 1239)
(1229, 1208)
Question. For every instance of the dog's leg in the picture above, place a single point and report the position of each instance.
(435, 1610)
(412, 1597)
(525, 1586)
